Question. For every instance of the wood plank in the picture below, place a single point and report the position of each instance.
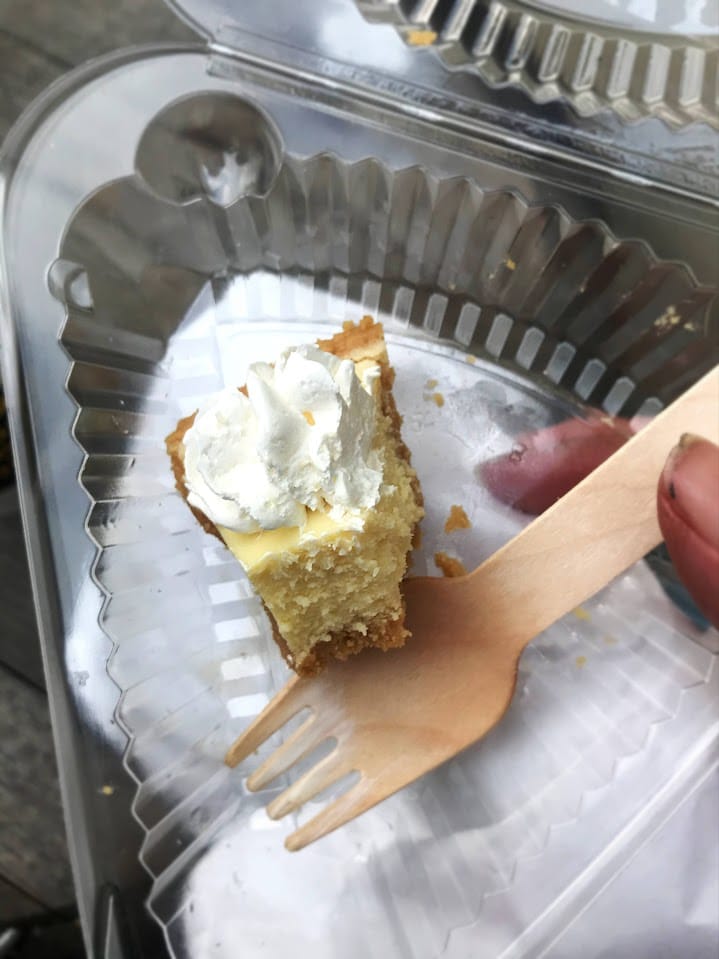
(15, 904)
(75, 30)
(24, 73)
(33, 853)
(19, 643)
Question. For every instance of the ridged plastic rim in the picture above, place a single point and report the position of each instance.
(263, 229)
(593, 67)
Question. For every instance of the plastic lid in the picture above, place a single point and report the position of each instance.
(671, 17)
(205, 16)
(668, 17)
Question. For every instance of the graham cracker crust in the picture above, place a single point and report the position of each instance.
(381, 634)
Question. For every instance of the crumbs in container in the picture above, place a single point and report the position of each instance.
(457, 519)
(437, 398)
(450, 565)
(421, 38)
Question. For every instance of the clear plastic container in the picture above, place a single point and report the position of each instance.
(171, 215)
(637, 58)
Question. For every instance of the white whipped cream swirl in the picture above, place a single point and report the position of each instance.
(301, 439)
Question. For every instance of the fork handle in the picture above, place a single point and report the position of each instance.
(604, 525)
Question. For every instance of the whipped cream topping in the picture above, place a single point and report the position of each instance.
(301, 439)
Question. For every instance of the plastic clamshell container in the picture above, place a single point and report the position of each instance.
(637, 59)
(170, 216)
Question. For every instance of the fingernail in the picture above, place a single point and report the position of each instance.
(689, 478)
(666, 481)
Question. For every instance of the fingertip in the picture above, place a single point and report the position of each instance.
(688, 510)
(545, 465)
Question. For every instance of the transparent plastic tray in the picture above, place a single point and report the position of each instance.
(191, 225)
(636, 58)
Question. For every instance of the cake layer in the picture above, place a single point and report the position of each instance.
(256, 550)
(344, 581)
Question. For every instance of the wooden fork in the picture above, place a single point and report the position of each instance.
(397, 715)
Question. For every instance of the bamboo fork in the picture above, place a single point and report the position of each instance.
(397, 715)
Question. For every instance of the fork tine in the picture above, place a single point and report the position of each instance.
(299, 744)
(324, 774)
(289, 701)
(345, 808)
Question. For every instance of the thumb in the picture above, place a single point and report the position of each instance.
(688, 508)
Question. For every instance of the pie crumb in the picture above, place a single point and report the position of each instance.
(438, 399)
(457, 519)
(421, 38)
(431, 384)
(450, 565)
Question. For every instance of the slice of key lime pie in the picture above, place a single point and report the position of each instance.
(304, 476)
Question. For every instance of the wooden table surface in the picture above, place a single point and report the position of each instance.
(39, 41)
